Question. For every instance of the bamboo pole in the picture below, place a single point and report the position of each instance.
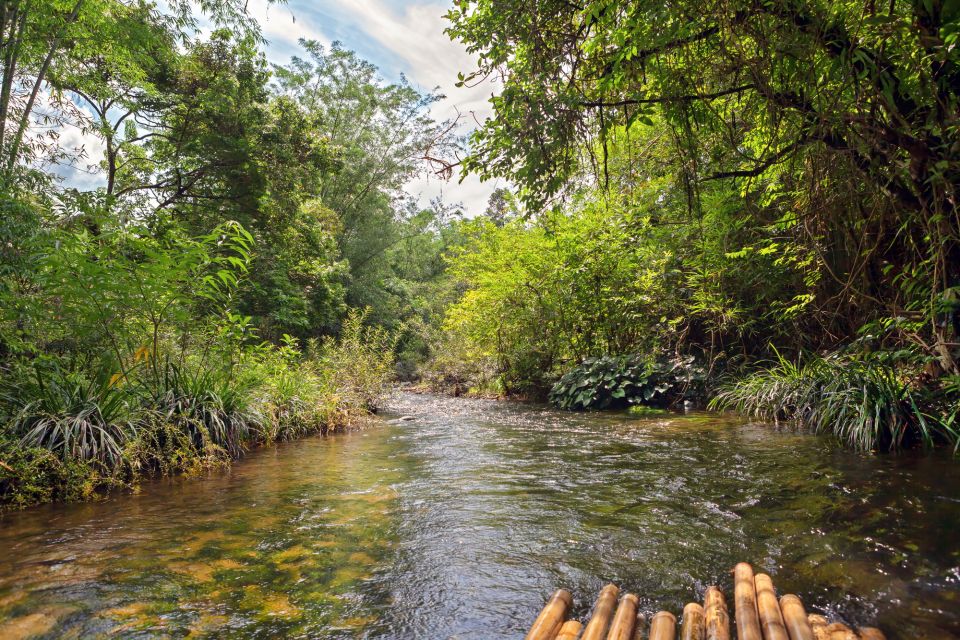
(840, 631)
(548, 623)
(770, 617)
(795, 618)
(602, 612)
(871, 633)
(570, 630)
(818, 624)
(715, 615)
(625, 620)
(694, 625)
(745, 601)
(663, 626)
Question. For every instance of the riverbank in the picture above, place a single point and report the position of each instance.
(66, 436)
(33, 475)
(862, 399)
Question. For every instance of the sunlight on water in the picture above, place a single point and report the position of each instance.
(459, 522)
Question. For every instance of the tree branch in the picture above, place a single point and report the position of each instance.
(666, 99)
(762, 166)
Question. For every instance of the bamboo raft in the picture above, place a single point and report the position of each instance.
(757, 612)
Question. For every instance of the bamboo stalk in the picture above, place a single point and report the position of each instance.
(795, 618)
(602, 612)
(745, 601)
(548, 623)
(570, 630)
(663, 626)
(716, 618)
(818, 624)
(770, 617)
(840, 631)
(871, 633)
(625, 620)
(694, 625)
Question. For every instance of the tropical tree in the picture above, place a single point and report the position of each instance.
(842, 115)
(384, 136)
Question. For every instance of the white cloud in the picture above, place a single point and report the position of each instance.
(412, 42)
(283, 28)
(82, 151)
(84, 173)
(471, 193)
(430, 58)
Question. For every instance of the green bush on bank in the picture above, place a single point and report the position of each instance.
(867, 403)
(618, 381)
(33, 475)
(68, 435)
(360, 363)
(457, 368)
(122, 358)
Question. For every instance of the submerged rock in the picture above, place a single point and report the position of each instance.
(33, 624)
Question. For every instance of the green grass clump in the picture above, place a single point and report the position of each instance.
(865, 402)
(209, 404)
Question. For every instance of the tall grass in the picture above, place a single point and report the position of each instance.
(295, 393)
(361, 362)
(106, 426)
(72, 413)
(864, 402)
(209, 404)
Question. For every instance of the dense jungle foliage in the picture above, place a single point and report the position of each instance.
(244, 266)
(765, 188)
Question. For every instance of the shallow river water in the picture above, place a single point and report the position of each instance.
(458, 521)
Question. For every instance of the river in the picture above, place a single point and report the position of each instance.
(454, 518)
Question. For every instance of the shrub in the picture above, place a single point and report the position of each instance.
(75, 414)
(616, 381)
(33, 475)
(208, 403)
(859, 399)
(455, 367)
(295, 395)
(164, 447)
(360, 362)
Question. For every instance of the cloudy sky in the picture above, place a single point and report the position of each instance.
(400, 37)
